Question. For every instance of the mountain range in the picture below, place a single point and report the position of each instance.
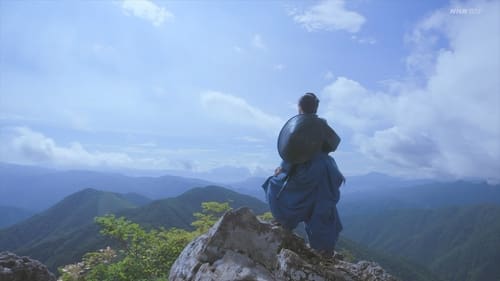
(427, 196)
(11, 215)
(417, 229)
(35, 189)
(64, 232)
(450, 228)
(457, 243)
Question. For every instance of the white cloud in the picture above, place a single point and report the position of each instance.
(250, 139)
(357, 108)
(258, 42)
(236, 110)
(364, 40)
(147, 10)
(450, 125)
(423, 40)
(330, 15)
(23, 145)
(31, 147)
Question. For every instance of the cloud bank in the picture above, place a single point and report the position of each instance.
(30, 147)
(450, 124)
(235, 110)
(147, 10)
(330, 15)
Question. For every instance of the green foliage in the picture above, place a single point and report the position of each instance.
(142, 254)
(70, 214)
(347, 255)
(211, 212)
(95, 260)
(267, 216)
(145, 253)
(66, 231)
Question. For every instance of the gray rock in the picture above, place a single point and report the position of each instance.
(16, 268)
(241, 247)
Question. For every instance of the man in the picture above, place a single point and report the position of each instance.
(308, 191)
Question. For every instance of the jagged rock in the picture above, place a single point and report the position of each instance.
(16, 268)
(241, 247)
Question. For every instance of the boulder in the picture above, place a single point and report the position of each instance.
(241, 247)
(16, 268)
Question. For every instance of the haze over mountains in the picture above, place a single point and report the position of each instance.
(36, 189)
(417, 229)
(11, 215)
(42, 187)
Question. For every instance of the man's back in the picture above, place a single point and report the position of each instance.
(303, 136)
(305, 188)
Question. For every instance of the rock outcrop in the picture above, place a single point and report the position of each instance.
(16, 268)
(241, 247)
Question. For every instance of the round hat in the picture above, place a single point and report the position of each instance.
(301, 138)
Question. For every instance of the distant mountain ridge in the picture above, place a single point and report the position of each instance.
(58, 247)
(427, 196)
(459, 243)
(64, 232)
(11, 215)
(377, 210)
(253, 186)
(72, 213)
(375, 192)
(184, 205)
(36, 189)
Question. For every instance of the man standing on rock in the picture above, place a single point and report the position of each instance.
(305, 188)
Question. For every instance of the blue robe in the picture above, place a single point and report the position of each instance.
(308, 194)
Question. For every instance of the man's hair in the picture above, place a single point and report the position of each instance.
(309, 103)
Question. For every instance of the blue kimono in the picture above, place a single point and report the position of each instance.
(308, 193)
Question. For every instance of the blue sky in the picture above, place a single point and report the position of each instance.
(201, 88)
